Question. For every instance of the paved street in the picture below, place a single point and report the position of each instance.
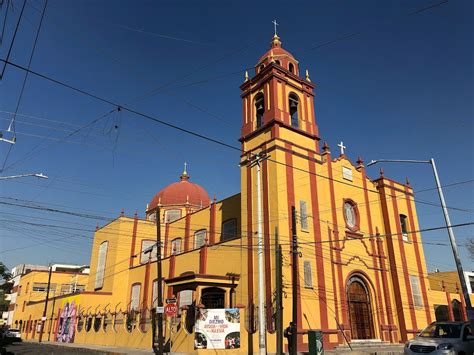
(55, 349)
(35, 348)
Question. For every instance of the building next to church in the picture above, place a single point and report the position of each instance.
(361, 268)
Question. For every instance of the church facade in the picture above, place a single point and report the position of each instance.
(361, 267)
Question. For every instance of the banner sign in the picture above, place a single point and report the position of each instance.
(217, 329)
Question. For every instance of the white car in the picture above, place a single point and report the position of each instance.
(447, 338)
(12, 334)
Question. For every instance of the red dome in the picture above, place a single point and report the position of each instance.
(275, 51)
(181, 193)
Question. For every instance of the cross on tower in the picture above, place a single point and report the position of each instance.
(275, 24)
(342, 146)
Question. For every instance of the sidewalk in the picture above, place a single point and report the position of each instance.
(111, 350)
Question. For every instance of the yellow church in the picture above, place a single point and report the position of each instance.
(361, 271)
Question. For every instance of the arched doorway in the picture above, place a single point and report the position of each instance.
(360, 312)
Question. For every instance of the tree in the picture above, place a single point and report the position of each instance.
(470, 248)
(5, 287)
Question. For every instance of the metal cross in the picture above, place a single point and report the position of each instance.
(342, 146)
(275, 24)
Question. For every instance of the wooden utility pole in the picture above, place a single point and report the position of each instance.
(278, 295)
(294, 273)
(159, 315)
(45, 309)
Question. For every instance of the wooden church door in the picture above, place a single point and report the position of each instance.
(360, 310)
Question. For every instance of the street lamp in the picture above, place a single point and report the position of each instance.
(38, 175)
(457, 260)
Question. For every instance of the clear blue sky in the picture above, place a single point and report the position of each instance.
(401, 88)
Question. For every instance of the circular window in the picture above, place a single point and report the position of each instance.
(350, 215)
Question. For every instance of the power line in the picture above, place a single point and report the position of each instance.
(170, 125)
(13, 39)
(25, 78)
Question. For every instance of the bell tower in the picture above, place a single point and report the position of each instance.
(276, 98)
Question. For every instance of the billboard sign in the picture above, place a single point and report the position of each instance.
(217, 329)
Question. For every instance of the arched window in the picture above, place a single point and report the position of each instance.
(149, 251)
(199, 238)
(101, 259)
(293, 103)
(404, 227)
(172, 215)
(291, 68)
(277, 62)
(259, 109)
(261, 68)
(176, 246)
(135, 296)
(213, 297)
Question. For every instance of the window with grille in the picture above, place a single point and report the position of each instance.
(308, 275)
(101, 259)
(43, 286)
(172, 215)
(176, 246)
(135, 297)
(185, 298)
(303, 216)
(404, 227)
(199, 238)
(229, 229)
(146, 244)
(416, 291)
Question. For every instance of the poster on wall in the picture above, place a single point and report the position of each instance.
(67, 320)
(217, 329)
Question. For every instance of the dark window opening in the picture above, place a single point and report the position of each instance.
(213, 297)
(404, 227)
(261, 68)
(229, 229)
(259, 109)
(291, 68)
(277, 62)
(293, 103)
(457, 310)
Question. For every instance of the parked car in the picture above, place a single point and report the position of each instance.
(447, 338)
(12, 334)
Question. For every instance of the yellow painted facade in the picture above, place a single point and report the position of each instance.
(361, 263)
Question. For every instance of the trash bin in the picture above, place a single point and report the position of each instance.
(315, 341)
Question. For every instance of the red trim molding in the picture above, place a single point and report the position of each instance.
(318, 250)
(392, 262)
(401, 246)
(134, 237)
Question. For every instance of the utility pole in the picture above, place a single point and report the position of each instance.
(278, 295)
(256, 160)
(159, 315)
(52, 316)
(294, 274)
(43, 318)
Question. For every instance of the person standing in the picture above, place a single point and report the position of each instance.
(289, 336)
